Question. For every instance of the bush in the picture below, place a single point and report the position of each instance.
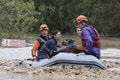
(106, 15)
(18, 17)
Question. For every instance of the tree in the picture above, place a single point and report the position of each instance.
(18, 17)
(106, 17)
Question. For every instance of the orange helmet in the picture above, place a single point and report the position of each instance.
(81, 18)
(44, 27)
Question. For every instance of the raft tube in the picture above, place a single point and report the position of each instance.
(67, 59)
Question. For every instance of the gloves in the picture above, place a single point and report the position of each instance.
(68, 42)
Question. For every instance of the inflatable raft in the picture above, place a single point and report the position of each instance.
(66, 59)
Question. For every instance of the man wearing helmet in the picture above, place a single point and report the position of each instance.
(40, 41)
(89, 37)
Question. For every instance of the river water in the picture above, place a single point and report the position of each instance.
(9, 57)
(25, 52)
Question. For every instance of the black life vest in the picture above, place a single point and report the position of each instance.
(41, 41)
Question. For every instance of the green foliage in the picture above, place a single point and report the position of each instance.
(24, 16)
(106, 17)
(19, 17)
(1, 31)
(61, 14)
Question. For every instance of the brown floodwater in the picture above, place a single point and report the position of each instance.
(11, 70)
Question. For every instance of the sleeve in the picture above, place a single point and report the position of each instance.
(88, 41)
(51, 45)
(35, 47)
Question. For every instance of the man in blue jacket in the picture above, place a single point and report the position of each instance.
(50, 45)
(89, 37)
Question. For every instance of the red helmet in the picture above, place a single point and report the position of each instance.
(44, 27)
(81, 18)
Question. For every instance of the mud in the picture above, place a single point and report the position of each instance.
(76, 72)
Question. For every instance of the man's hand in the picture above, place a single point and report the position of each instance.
(64, 43)
(82, 53)
(34, 57)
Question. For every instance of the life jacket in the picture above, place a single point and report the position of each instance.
(41, 41)
(96, 40)
(41, 55)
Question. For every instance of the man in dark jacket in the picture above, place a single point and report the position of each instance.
(51, 45)
(40, 41)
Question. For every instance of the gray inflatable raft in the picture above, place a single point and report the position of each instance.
(66, 59)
